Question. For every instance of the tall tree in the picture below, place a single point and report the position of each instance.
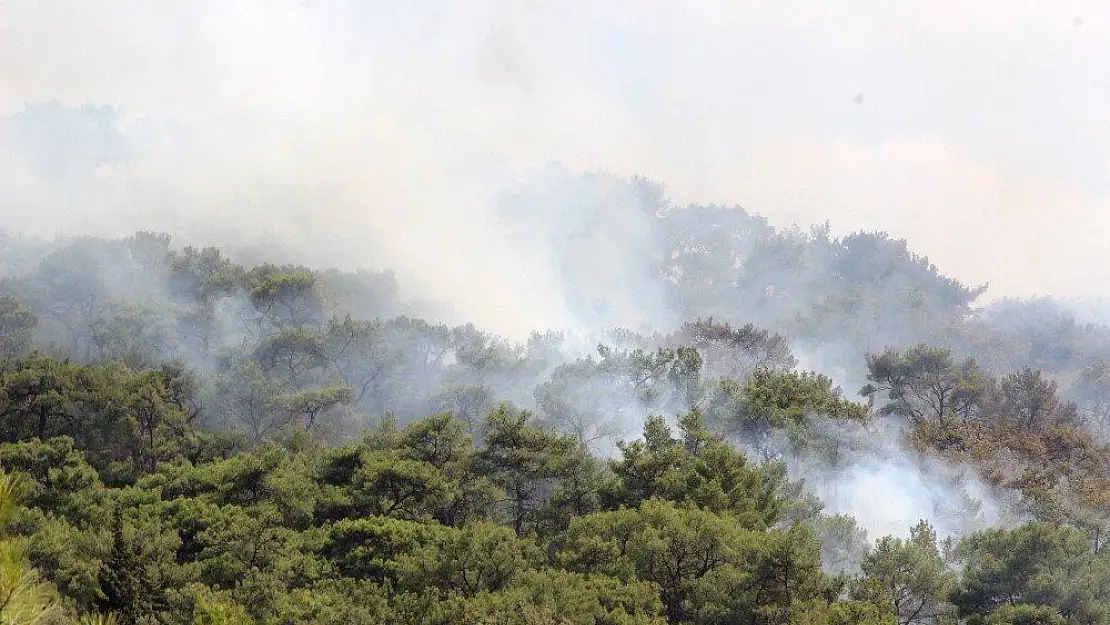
(910, 576)
(925, 383)
(17, 326)
(24, 598)
(1032, 401)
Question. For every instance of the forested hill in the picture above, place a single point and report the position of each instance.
(195, 435)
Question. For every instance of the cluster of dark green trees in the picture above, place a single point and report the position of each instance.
(427, 524)
(187, 438)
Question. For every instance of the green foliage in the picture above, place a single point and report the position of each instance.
(771, 402)
(24, 598)
(843, 543)
(17, 325)
(707, 568)
(312, 403)
(841, 613)
(925, 383)
(115, 415)
(283, 298)
(478, 557)
(559, 597)
(728, 352)
(136, 334)
(1038, 564)
(1024, 614)
(137, 570)
(57, 477)
(468, 403)
(788, 396)
(1091, 392)
(1032, 402)
(521, 460)
(910, 578)
(245, 486)
(697, 469)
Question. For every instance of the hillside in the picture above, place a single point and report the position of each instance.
(770, 427)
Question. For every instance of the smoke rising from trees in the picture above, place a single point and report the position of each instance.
(578, 287)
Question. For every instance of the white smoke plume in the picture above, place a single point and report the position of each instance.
(384, 134)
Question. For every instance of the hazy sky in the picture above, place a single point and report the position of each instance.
(979, 131)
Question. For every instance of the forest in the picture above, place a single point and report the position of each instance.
(762, 426)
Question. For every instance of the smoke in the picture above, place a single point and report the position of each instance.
(386, 134)
(417, 136)
(872, 477)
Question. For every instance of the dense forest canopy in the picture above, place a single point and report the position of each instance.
(745, 425)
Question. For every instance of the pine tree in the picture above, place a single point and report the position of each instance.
(24, 598)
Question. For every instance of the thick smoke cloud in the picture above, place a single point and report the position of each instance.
(383, 134)
(889, 489)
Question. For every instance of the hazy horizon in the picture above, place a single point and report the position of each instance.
(383, 134)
